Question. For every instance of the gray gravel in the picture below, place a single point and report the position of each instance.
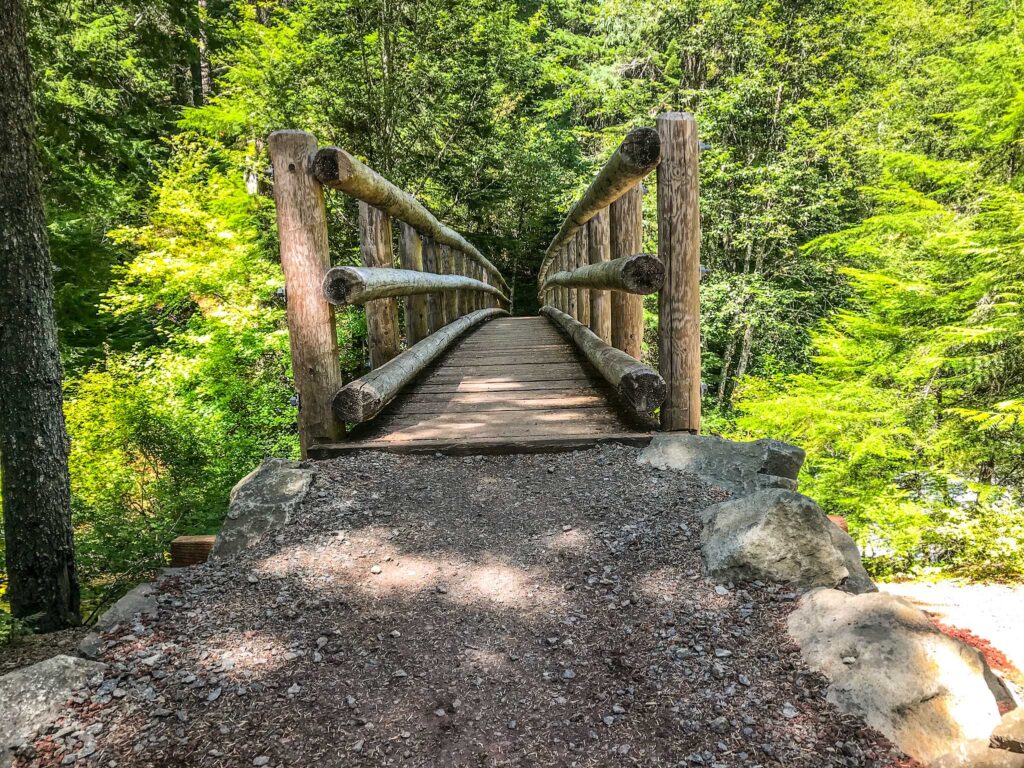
(439, 611)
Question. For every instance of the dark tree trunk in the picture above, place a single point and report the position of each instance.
(33, 441)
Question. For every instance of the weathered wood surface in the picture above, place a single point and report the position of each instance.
(450, 298)
(582, 292)
(496, 391)
(640, 274)
(640, 387)
(337, 169)
(364, 398)
(381, 314)
(627, 235)
(679, 248)
(637, 156)
(358, 285)
(410, 256)
(302, 232)
(435, 301)
(572, 295)
(599, 252)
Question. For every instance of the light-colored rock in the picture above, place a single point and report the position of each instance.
(779, 536)
(140, 601)
(1009, 734)
(261, 502)
(32, 696)
(924, 690)
(978, 754)
(740, 468)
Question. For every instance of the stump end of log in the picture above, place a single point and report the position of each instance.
(643, 389)
(643, 274)
(352, 404)
(641, 147)
(331, 165)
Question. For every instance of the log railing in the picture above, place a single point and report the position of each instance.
(447, 285)
(593, 276)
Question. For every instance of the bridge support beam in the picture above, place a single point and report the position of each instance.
(302, 231)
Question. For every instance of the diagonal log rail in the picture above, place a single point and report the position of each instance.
(368, 395)
(357, 285)
(637, 156)
(337, 169)
(640, 274)
(639, 387)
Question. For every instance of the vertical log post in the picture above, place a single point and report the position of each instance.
(626, 225)
(582, 259)
(302, 231)
(381, 314)
(679, 249)
(573, 294)
(461, 297)
(435, 301)
(598, 250)
(451, 300)
(411, 257)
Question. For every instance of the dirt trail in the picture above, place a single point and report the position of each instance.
(429, 611)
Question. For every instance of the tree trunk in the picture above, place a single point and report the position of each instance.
(205, 80)
(33, 440)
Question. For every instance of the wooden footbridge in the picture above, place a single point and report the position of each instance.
(451, 369)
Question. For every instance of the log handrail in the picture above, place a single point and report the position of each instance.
(640, 274)
(337, 169)
(362, 399)
(357, 285)
(637, 155)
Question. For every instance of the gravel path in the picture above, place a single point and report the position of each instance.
(428, 611)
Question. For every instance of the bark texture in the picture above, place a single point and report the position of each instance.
(679, 249)
(365, 397)
(640, 274)
(627, 236)
(599, 252)
(411, 257)
(637, 156)
(641, 388)
(357, 285)
(43, 583)
(381, 314)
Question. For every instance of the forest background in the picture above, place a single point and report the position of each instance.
(862, 208)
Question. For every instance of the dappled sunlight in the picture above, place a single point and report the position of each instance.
(664, 584)
(370, 562)
(246, 655)
(574, 540)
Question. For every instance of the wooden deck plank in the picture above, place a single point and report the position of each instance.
(512, 385)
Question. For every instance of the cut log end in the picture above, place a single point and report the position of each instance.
(352, 404)
(641, 147)
(330, 165)
(338, 285)
(643, 274)
(643, 389)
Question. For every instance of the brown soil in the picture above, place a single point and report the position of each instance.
(429, 611)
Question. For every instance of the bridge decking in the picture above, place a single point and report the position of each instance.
(512, 385)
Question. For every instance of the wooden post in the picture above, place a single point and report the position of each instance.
(582, 259)
(461, 297)
(411, 257)
(572, 293)
(451, 301)
(435, 301)
(599, 250)
(381, 314)
(679, 249)
(626, 226)
(302, 231)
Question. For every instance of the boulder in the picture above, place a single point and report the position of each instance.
(780, 536)
(262, 501)
(740, 468)
(32, 696)
(139, 601)
(890, 665)
(1009, 734)
(978, 754)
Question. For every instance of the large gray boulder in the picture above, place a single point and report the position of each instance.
(1009, 734)
(780, 536)
(262, 501)
(32, 696)
(740, 468)
(890, 665)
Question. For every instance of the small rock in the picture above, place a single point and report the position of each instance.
(376, 569)
(789, 711)
(261, 760)
(568, 674)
